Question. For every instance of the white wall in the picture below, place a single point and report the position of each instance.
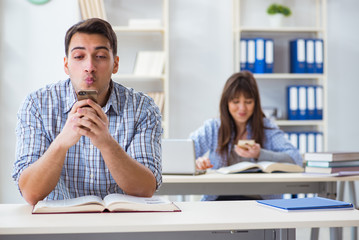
(201, 60)
(32, 51)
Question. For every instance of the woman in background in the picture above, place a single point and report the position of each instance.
(241, 117)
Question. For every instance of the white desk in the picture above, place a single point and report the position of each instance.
(251, 183)
(202, 220)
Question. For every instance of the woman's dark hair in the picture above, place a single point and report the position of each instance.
(92, 26)
(239, 83)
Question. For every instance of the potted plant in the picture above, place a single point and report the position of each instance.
(276, 13)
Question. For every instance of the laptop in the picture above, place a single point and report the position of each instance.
(178, 157)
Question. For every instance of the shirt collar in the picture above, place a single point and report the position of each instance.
(71, 99)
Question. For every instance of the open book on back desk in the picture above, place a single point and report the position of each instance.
(263, 166)
(111, 203)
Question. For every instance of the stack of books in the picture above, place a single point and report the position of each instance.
(338, 163)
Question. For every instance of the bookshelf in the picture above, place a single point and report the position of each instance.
(308, 20)
(143, 48)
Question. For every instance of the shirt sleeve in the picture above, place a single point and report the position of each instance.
(276, 142)
(31, 140)
(145, 146)
(204, 138)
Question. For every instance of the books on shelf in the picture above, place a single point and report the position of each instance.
(305, 102)
(305, 204)
(158, 98)
(306, 55)
(149, 63)
(331, 156)
(257, 55)
(306, 141)
(92, 9)
(111, 203)
(263, 166)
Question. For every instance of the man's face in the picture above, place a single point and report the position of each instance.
(90, 63)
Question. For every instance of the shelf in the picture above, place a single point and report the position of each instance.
(137, 77)
(288, 76)
(299, 122)
(280, 30)
(132, 29)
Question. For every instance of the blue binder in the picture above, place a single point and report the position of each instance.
(318, 56)
(297, 56)
(310, 50)
(319, 142)
(292, 102)
(300, 204)
(302, 103)
(311, 102)
(269, 56)
(311, 142)
(251, 54)
(243, 54)
(319, 102)
(259, 53)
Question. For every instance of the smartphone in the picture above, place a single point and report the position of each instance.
(245, 144)
(87, 94)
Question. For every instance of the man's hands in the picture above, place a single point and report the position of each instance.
(86, 121)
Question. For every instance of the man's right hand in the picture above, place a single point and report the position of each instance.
(68, 136)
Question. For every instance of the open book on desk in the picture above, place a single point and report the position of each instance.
(263, 166)
(300, 204)
(111, 203)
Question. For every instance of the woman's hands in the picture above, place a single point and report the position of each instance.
(203, 163)
(250, 152)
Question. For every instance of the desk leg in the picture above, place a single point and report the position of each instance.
(352, 197)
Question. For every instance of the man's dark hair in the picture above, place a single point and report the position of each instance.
(92, 26)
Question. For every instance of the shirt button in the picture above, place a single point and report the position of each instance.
(91, 175)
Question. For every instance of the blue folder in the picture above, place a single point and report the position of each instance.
(269, 56)
(318, 56)
(309, 55)
(315, 203)
(259, 66)
(297, 56)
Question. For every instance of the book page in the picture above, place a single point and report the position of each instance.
(123, 203)
(238, 167)
(269, 167)
(84, 203)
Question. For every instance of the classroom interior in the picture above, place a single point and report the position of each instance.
(200, 60)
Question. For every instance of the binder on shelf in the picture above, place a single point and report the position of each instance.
(269, 56)
(292, 102)
(311, 142)
(319, 142)
(302, 140)
(309, 47)
(259, 55)
(302, 103)
(307, 141)
(318, 56)
(297, 56)
(311, 102)
(251, 55)
(293, 138)
(243, 54)
(318, 102)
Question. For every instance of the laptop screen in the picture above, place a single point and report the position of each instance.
(178, 156)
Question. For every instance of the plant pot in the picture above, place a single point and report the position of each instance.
(276, 20)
